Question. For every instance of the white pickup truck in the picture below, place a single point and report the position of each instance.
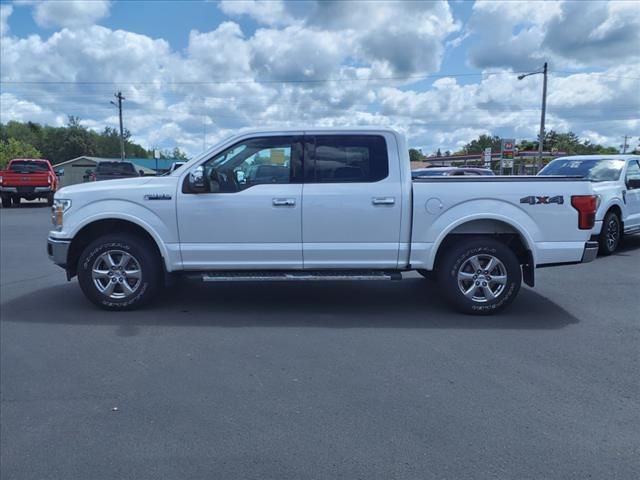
(616, 181)
(318, 204)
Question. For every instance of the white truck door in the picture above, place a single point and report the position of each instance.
(351, 201)
(250, 216)
(632, 181)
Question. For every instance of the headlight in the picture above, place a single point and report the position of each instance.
(60, 206)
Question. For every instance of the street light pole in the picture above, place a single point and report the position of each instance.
(542, 116)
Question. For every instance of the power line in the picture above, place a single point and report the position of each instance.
(300, 80)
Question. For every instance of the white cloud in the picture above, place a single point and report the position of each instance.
(522, 35)
(5, 13)
(68, 13)
(226, 79)
(15, 108)
(266, 12)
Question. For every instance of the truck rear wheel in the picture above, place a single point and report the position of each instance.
(480, 275)
(609, 238)
(119, 272)
(6, 201)
(50, 200)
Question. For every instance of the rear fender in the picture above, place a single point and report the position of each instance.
(504, 218)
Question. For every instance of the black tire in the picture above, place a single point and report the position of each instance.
(609, 238)
(6, 201)
(456, 271)
(50, 200)
(147, 284)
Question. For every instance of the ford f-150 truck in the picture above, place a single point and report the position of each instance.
(616, 181)
(29, 179)
(318, 204)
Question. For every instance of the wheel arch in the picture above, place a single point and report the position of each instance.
(96, 228)
(500, 229)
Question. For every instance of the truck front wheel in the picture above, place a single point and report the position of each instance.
(479, 276)
(119, 272)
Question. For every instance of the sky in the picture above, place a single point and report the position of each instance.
(194, 72)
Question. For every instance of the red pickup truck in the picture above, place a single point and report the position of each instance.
(29, 179)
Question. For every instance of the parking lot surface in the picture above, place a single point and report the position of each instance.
(317, 380)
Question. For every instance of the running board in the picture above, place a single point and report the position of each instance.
(632, 230)
(287, 276)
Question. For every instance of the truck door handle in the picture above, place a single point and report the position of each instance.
(383, 200)
(284, 202)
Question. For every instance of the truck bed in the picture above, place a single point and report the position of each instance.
(537, 209)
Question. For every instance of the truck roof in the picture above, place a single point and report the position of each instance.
(29, 160)
(287, 131)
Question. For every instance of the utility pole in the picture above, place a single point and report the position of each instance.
(544, 111)
(625, 145)
(542, 117)
(120, 98)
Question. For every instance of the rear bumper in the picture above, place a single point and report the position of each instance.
(590, 251)
(58, 251)
(26, 190)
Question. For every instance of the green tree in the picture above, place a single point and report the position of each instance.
(59, 144)
(12, 148)
(416, 155)
(175, 154)
(483, 141)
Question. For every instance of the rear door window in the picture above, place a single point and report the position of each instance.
(345, 159)
(25, 166)
(115, 168)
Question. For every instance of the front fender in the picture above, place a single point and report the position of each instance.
(159, 225)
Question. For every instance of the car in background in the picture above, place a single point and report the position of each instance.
(450, 171)
(28, 178)
(175, 166)
(616, 181)
(111, 170)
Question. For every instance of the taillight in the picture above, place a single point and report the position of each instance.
(586, 205)
(49, 179)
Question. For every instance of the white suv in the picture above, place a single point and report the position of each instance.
(616, 181)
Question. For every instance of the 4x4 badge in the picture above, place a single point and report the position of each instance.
(535, 200)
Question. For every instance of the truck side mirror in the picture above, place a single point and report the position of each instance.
(197, 180)
(60, 172)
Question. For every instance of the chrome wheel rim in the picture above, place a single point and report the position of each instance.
(613, 231)
(116, 274)
(482, 278)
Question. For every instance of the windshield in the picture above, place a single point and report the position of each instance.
(28, 167)
(595, 169)
(115, 168)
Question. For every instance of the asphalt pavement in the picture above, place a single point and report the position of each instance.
(355, 380)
